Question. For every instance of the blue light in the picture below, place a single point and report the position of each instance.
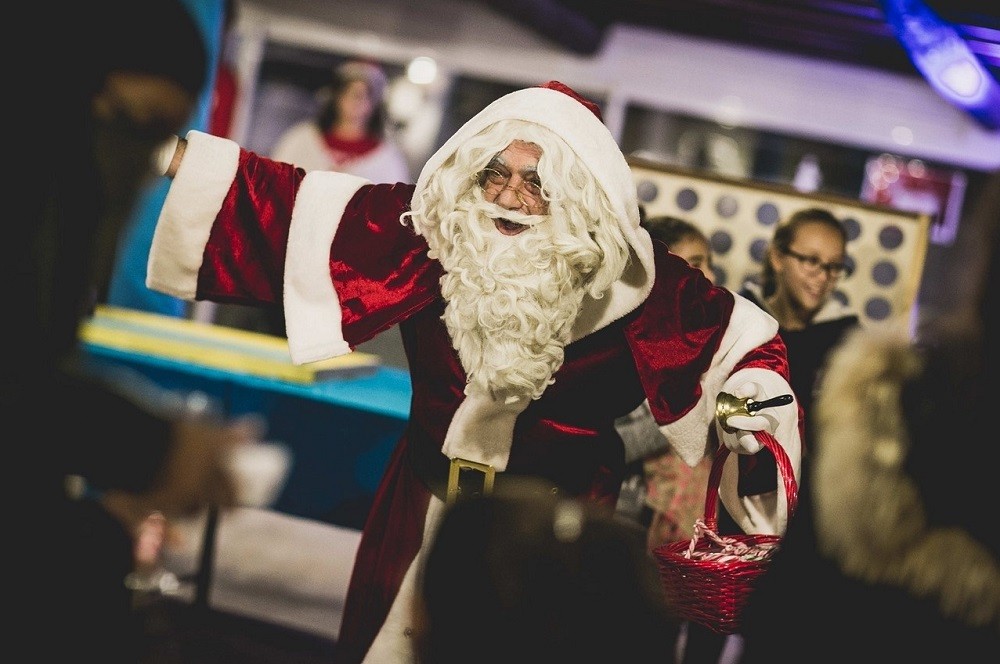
(945, 60)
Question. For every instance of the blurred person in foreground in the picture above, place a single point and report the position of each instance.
(534, 310)
(559, 579)
(129, 75)
(904, 564)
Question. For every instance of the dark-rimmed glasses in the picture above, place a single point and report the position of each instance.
(812, 265)
(493, 181)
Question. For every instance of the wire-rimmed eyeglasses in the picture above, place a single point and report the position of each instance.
(812, 265)
(493, 181)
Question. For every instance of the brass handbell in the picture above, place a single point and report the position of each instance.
(727, 405)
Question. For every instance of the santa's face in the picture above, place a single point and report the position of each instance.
(511, 182)
(518, 261)
(514, 283)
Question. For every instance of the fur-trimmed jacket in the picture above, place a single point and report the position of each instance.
(904, 565)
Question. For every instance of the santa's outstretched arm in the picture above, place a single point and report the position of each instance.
(734, 347)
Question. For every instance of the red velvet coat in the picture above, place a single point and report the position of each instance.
(240, 228)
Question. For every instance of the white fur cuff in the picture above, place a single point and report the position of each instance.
(312, 306)
(483, 429)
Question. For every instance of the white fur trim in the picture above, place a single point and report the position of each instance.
(762, 514)
(749, 327)
(395, 640)
(312, 308)
(482, 429)
(591, 141)
(195, 197)
(625, 294)
(832, 308)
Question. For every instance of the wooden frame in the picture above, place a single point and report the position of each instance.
(886, 247)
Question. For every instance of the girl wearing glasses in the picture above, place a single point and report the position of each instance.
(895, 486)
(802, 267)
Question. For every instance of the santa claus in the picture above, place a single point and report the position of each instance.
(533, 309)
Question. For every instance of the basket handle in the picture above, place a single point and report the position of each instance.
(785, 470)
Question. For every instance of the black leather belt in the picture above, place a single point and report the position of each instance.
(455, 479)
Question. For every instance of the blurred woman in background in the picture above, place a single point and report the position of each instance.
(348, 133)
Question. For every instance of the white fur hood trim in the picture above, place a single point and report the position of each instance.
(591, 141)
(832, 309)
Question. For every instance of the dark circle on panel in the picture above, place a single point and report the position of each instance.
(884, 273)
(878, 308)
(687, 199)
(841, 296)
(767, 214)
(647, 191)
(726, 206)
(852, 227)
(720, 275)
(721, 242)
(758, 249)
(890, 237)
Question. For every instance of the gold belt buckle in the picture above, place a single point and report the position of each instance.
(457, 466)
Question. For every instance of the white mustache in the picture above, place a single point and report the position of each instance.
(494, 211)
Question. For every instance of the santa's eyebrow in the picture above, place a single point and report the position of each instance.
(498, 160)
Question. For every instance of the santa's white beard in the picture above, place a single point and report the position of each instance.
(510, 307)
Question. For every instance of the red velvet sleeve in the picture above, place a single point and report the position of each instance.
(378, 265)
(676, 335)
(244, 259)
(770, 355)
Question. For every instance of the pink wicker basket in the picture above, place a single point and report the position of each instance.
(709, 579)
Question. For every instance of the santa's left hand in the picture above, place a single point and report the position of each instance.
(740, 437)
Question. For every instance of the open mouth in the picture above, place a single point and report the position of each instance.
(508, 227)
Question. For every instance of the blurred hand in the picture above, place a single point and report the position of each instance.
(197, 472)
